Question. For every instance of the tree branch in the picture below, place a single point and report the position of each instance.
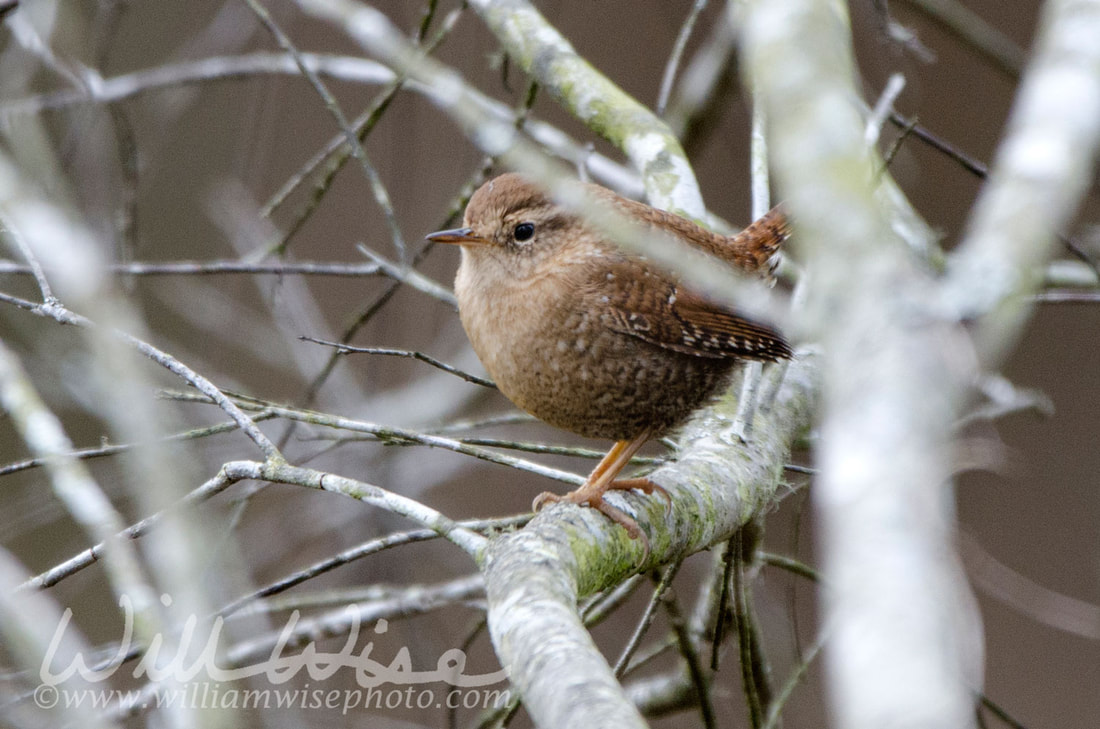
(906, 636)
(535, 576)
(1039, 175)
(590, 96)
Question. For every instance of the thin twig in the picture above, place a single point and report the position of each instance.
(973, 30)
(206, 268)
(558, 450)
(408, 354)
(1000, 713)
(729, 557)
(885, 104)
(79, 561)
(745, 636)
(789, 564)
(607, 603)
(895, 146)
(647, 619)
(111, 450)
(677, 55)
(776, 707)
(377, 187)
(64, 316)
(699, 678)
(489, 421)
(411, 277)
(941, 144)
(467, 540)
(1067, 297)
(33, 266)
(386, 602)
(796, 468)
(396, 434)
(359, 551)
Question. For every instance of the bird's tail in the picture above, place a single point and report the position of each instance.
(758, 244)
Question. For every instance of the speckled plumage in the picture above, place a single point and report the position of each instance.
(587, 338)
(591, 339)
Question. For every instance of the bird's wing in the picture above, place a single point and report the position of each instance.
(648, 305)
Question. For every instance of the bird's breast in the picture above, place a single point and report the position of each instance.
(548, 344)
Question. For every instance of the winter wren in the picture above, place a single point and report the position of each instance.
(592, 339)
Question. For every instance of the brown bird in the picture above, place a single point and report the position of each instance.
(594, 340)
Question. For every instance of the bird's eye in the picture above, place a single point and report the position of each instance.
(524, 231)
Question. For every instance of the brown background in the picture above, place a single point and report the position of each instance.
(1035, 508)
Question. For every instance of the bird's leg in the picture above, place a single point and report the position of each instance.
(767, 398)
(746, 404)
(602, 480)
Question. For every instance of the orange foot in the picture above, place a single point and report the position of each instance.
(602, 480)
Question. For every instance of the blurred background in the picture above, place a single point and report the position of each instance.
(180, 169)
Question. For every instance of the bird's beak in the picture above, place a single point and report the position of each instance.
(461, 236)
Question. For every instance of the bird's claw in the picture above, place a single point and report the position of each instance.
(593, 498)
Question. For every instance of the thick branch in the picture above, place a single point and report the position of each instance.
(534, 576)
(905, 635)
(592, 97)
(1038, 177)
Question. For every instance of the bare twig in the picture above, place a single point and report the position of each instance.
(973, 30)
(729, 561)
(33, 266)
(558, 450)
(72, 483)
(89, 556)
(208, 268)
(673, 64)
(103, 451)
(63, 316)
(365, 549)
(384, 602)
(381, 196)
(1038, 602)
(771, 721)
(1067, 297)
(790, 565)
(398, 434)
(753, 670)
(411, 277)
(920, 132)
(700, 680)
(883, 107)
(470, 542)
(646, 620)
(408, 354)
(336, 153)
